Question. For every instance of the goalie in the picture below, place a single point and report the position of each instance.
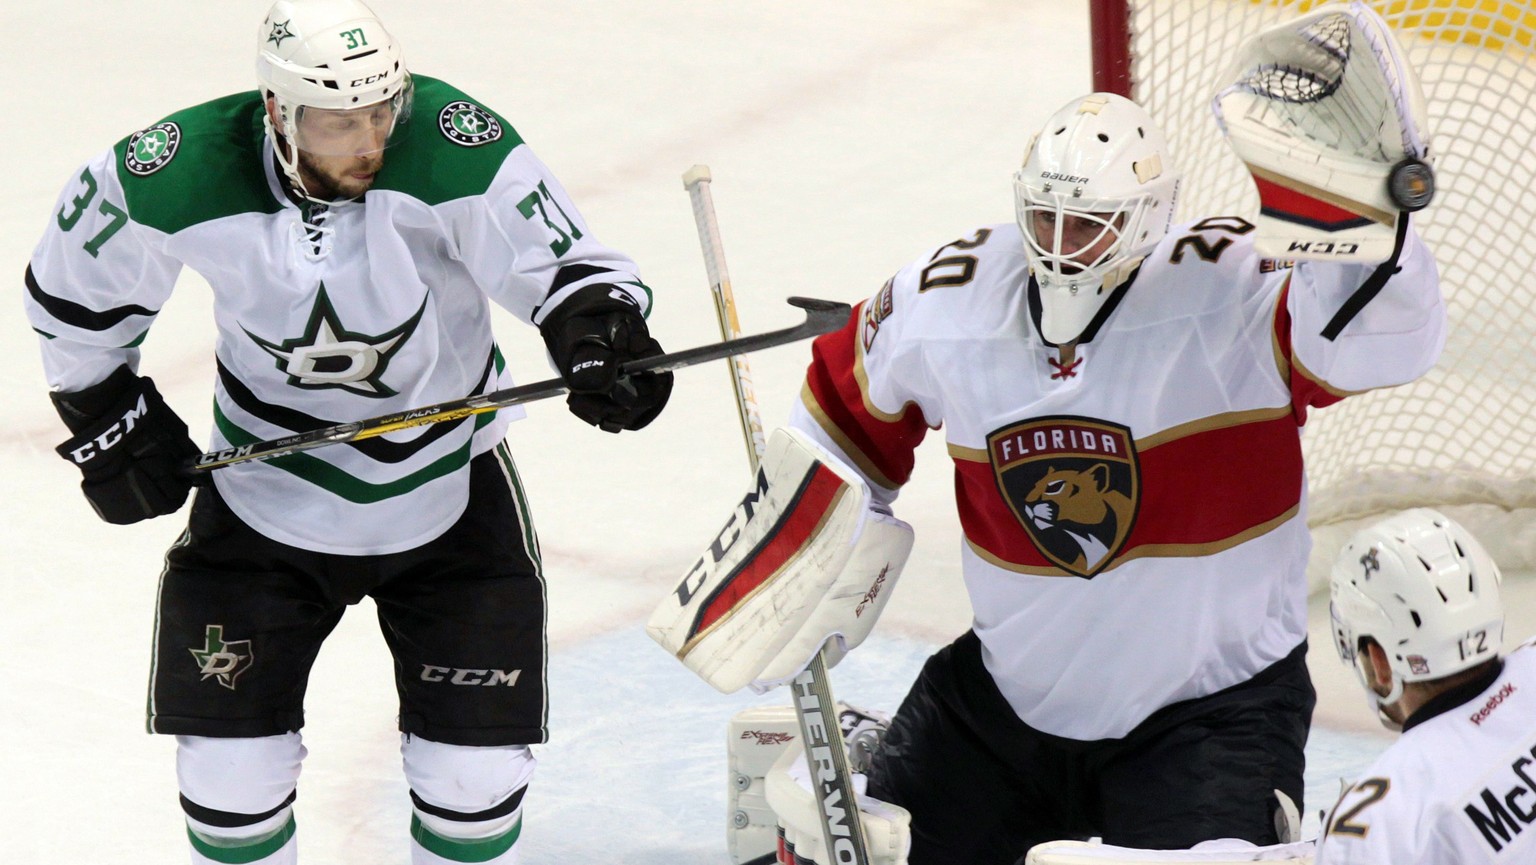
(1123, 399)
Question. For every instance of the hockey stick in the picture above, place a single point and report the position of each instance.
(842, 830)
(821, 316)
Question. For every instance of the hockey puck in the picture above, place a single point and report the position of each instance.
(1411, 184)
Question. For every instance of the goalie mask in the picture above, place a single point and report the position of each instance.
(335, 79)
(1424, 589)
(1095, 194)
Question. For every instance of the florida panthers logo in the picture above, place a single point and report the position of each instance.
(1073, 484)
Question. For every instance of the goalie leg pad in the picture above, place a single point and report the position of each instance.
(784, 550)
(238, 797)
(755, 739)
(887, 827)
(467, 801)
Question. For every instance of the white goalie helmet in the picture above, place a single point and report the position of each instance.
(1100, 159)
(328, 56)
(1422, 587)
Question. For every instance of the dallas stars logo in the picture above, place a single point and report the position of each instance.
(222, 660)
(280, 32)
(329, 355)
(149, 151)
(468, 124)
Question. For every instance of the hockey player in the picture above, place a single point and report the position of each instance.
(353, 221)
(1123, 401)
(1417, 613)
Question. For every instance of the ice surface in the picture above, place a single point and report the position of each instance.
(843, 138)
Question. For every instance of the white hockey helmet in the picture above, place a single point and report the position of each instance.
(1101, 159)
(1423, 588)
(329, 56)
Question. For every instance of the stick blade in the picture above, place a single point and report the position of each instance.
(822, 316)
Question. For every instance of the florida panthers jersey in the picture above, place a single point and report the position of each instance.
(324, 315)
(1133, 506)
(1459, 787)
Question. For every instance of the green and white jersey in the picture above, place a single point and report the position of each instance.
(382, 310)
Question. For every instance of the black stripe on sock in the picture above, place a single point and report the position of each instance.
(230, 819)
(501, 809)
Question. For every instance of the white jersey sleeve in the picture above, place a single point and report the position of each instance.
(868, 396)
(116, 270)
(1458, 788)
(530, 248)
(1358, 327)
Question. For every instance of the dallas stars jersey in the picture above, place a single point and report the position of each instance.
(1132, 506)
(1459, 787)
(325, 316)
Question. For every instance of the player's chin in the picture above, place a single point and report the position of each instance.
(353, 184)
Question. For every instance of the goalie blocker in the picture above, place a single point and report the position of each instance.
(1325, 112)
(803, 561)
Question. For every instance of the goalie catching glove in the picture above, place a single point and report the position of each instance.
(804, 560)
(1325, 112)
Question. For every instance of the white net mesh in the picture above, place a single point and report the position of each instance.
(1462, 435)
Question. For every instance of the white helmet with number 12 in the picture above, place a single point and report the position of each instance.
(1425, 590)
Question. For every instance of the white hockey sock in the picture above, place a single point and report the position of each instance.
(238, 797)
(467, 801)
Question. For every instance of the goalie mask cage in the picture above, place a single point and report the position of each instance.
(1463, 438)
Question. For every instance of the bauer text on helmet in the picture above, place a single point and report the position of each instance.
(1095, 194)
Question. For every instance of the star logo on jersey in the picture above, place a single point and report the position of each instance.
(221, 659)
(328, 355)
(148, 151)
(280, 32)
(468, 124)
(1074, 486)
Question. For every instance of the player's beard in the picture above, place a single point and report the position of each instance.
(334, 181)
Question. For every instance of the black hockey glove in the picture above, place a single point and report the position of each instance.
(129, 445)
(590, 335)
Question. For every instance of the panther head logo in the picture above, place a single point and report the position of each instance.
(1077, 511)
(1073, 483)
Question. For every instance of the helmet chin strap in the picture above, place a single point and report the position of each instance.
(1380, 702)
(289, 165)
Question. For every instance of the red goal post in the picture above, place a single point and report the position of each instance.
(1463, 438)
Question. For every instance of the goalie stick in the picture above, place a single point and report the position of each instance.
(842, 828)
(821, 316)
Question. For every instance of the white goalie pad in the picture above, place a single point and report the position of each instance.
(1326, 114)
(1223, 852)
(887, 827)
(755, 739)
(802, 560)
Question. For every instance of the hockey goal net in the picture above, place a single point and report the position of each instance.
(1463, 438)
